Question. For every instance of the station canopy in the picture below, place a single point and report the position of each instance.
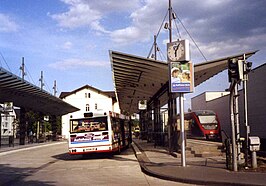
(136, 78)
(24, 94)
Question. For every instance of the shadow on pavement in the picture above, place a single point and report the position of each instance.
(91, 156)
(16, 176)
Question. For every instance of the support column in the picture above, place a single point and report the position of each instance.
(157, 122)
(54, 127)
(149, 124)
(170, 123)
(22, 126)
(143, 124)
(40, 129)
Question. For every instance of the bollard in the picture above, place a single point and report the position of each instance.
(254, 145)
(254, 160)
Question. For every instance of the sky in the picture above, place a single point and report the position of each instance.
(69, 40)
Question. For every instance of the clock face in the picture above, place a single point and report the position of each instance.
(176, 51)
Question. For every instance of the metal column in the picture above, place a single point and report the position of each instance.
(183, 145)
(22, 126)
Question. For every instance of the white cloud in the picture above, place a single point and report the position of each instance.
(91, 13)
(95, 25)
(126, 35)
(7, 24)
(79, 14)
(206, 21)
(219, 49)
(76, 64)
(67, 45)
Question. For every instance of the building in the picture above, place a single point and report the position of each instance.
(8, 118)
(89, 100)
(219, 102)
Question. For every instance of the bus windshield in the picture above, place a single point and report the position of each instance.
(89, 124)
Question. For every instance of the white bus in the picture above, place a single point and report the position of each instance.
(105, 133)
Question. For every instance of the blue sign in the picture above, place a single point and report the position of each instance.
(182, 77)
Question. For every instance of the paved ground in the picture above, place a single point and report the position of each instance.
(50, 164)
(158, 163)
(204, 171)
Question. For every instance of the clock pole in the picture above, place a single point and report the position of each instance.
(172, 103)
(170, 94)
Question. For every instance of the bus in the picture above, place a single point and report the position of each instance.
(101, 133)
(201, 124)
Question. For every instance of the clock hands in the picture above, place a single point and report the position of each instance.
(175, 47)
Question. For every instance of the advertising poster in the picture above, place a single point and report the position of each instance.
(89, 137)
(182, 77)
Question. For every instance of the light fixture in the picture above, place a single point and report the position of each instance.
(174, 15)
(166, 25)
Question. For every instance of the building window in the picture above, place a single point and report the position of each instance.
(87, 107)
(87, 95)
(96, 106)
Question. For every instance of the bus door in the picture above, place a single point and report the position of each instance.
(122, 127)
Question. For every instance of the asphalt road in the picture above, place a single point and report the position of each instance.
(51, 165)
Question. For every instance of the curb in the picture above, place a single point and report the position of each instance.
(29, 147)
(143, 161)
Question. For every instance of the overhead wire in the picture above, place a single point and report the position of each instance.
(191, 37)
(28, 73)
(20, 73)
(158, 33)
(162, 24)
(4, 61)
(161, 54)
(178, 32)
(46, 85)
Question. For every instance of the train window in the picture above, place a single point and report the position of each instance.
(208, 119)
(208, 122)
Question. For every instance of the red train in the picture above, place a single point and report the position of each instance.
(202, 124)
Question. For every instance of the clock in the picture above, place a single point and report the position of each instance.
(178, 51)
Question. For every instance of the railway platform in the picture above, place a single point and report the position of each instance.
(211, 170)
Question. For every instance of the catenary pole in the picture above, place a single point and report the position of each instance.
(170, 95)
(234, 149)
(246, 111)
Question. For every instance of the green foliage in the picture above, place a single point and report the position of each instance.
(32, 119)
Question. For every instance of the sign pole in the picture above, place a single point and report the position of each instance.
(183, 145)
